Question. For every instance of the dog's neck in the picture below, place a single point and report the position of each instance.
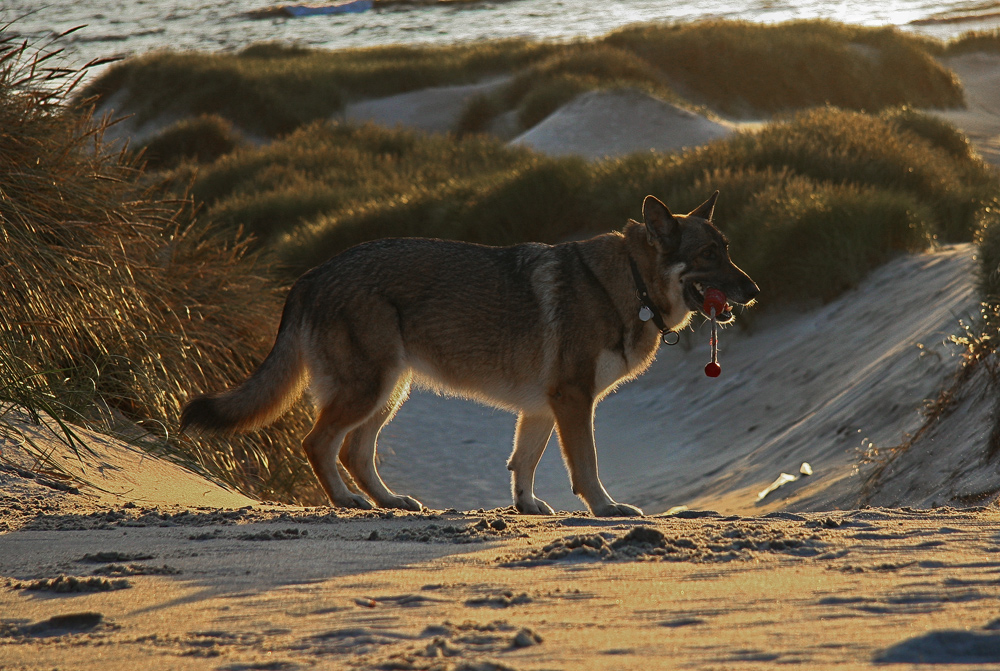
(648, 310)
(642, 262)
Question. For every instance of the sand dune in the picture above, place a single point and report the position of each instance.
(602, 124)
(980, 121)
(100, 577)
(817, 385)
(435, 110)
(596, 125)
(137, 563)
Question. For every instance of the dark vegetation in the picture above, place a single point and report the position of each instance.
(200, 139)
(832, 191)
(116, 303)
(126, 292)
(272, 89)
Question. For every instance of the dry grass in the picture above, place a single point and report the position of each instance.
(272, 89)
(732, 67)
(973, 41)
(201, 139)
(118, 305)
(866, 186)
(749, 68)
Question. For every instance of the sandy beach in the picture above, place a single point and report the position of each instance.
(135, 562)
(269, 588)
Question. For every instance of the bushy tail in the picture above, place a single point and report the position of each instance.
(265, 396)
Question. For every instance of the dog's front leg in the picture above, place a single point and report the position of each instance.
(530, 438)
(574, 412)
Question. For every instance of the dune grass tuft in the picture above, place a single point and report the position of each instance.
(863, 186)
(272, 89)
(732, 67)
(748, 68)
(117, 306)
(977, 41)
(202, 139)
(330, 168)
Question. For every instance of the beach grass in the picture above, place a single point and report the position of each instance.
(118, 305)
(200, 139)
(862, 186)
(271, 89)
(745, 68)
(327, 167)
(975, 41)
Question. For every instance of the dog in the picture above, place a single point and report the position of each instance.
(545, 331)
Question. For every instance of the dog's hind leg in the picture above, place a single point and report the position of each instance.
(352, 402)
(322, 446)
(358, 453)
(574, 411)
(530, 438)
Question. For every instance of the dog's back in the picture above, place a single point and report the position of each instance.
(487, 322)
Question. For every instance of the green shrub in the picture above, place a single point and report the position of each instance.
(533, 201)
(748, 68)
(805, 239)
(327, 169)
(732, 67)
(202, 139)
(478, 114)
(840, 146)
(862, 186)
(937, 131)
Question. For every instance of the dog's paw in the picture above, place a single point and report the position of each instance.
(534, 506)
(402, 503)
(617, 510)
(355, 501)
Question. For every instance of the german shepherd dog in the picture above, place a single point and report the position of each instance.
(545, 331)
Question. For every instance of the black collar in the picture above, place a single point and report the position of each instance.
(647, 303)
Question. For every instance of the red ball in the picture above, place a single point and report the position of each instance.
(713, 369)
(714, 299)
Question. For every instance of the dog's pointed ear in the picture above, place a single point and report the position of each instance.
(706, 209)
(662, 229)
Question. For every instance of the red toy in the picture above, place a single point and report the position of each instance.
(715, 304)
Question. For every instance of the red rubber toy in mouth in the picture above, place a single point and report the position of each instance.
(715, 304)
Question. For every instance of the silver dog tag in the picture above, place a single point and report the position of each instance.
(645, 314)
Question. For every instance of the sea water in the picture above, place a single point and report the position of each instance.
(114, 28)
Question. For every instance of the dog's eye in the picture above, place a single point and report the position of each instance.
(709, 254)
